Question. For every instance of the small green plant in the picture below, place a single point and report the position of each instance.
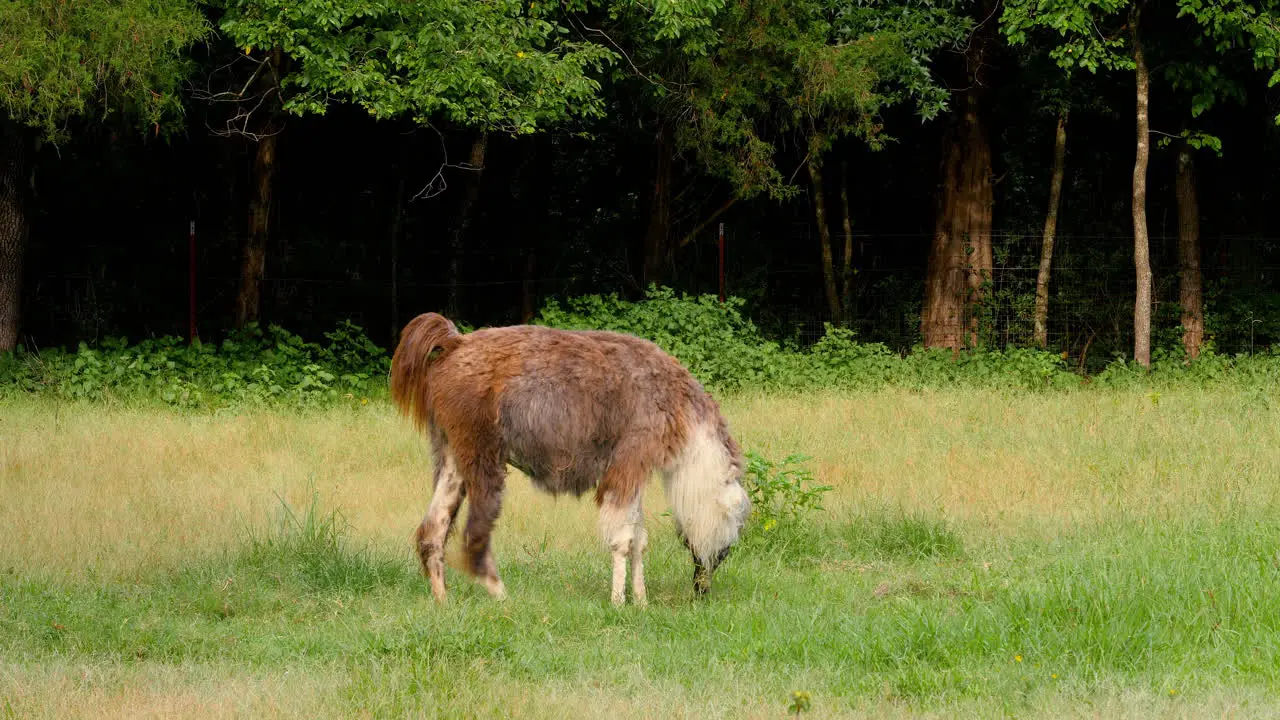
(800, 702)
(781, 492)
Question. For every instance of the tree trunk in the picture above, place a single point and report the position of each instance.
(253, 265)
(846, 260)
(1141, 243)
(528, 300)
(824, 237)
(1050, 233)
(15, 156)
(1190, 290)
(657, 236)
(471, 193)
(254, 260)
(960, 258)
(397, 223)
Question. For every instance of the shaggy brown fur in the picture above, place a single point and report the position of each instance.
(573, 410)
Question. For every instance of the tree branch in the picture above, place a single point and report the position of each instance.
(692, 234)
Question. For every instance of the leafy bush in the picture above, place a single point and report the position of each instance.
(250, 367)
(720, 346)
(727, 353)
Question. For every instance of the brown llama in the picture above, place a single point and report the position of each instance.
(572, 410)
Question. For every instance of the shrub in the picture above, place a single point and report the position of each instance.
(250, 367)
(781, 492)
(784, 500)
(724, 349)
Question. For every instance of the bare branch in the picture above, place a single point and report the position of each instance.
(246, 102)
(437, 184)
(625, 56)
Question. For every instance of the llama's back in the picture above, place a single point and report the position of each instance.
(570, 400)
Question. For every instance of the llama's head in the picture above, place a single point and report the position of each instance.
(734, 507)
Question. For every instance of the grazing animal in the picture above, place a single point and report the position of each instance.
(574, 411)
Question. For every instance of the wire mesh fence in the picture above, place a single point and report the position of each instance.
(1090, 291)
(1090, 315)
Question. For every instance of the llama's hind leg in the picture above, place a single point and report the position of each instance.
(486, 502)
(639, 542)
(434, 530)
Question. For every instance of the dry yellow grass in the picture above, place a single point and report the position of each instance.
(98, 490)
(115, 497)
(66, 690)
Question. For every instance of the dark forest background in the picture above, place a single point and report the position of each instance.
(379, 219)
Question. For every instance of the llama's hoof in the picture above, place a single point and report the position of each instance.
(496, 589)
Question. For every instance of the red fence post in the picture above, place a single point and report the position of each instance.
(191, 283)
(721, 262)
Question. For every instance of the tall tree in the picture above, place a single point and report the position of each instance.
(466, 208)
(1109, 34)
(492, 66)
(804, 74)
(14, 227)
(846, 259)
(1190, 292)
(824, 241)
(657, 237)
(1041, 319)
(960, 255)
(1141, 243)
(256, 115)
(67, 59)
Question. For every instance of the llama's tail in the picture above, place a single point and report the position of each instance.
(704, 491)
(420, 339)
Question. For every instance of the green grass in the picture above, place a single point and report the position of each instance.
(972, 565)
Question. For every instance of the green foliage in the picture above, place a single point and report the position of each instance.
(1089, 37)
(714, 340)
(249, 368)
(719, 345)
(816, 71)
(496, 65)
(1075, 22)
(65, 58)
(726, 351)
(781, 492)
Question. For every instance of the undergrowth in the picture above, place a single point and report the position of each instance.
(723, 349)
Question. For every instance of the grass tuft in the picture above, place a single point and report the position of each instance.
(902, 535)
(314, 548)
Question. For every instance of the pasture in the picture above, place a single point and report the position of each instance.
(1080, 553)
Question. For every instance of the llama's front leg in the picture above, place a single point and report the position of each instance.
(623, 532)
(434, 530)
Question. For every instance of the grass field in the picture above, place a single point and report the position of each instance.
(1081, 554)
